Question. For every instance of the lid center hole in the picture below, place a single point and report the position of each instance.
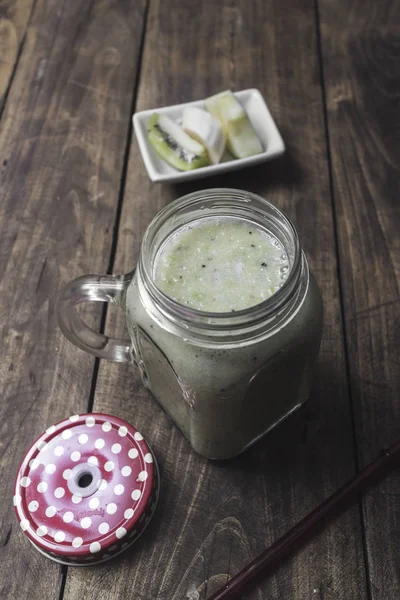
(85, 480)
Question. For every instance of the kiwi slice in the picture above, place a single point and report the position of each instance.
(174, 145)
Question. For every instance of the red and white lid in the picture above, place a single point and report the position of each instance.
(86, 489)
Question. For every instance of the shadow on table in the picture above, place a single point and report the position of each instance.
(319, 434)
(281, 171)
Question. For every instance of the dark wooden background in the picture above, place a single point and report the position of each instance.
(75, 199)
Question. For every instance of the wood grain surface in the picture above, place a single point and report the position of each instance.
(360, 42)
(75, 198)
(62, 137)
(14, 18)
(214, 517)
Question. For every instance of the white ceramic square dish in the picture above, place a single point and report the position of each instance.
(259, 115)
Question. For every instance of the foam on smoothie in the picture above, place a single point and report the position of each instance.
(220, 264)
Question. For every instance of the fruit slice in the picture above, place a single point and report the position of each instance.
(207, 130)
(241, 139)
(174, 145)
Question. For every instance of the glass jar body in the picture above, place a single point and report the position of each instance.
(224, 394)
(224, 378)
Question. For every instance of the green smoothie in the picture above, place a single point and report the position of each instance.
(220, 265)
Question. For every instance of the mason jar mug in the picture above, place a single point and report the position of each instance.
(224, 378)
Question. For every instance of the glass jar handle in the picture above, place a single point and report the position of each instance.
(93, 288)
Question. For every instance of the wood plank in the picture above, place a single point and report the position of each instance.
(62, 142)
(360, 51)
(14, 18)
(213, 517)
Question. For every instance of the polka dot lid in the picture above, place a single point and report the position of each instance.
(86, 489)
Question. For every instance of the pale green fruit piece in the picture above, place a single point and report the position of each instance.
(241, 139)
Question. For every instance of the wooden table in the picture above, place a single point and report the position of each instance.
(75, 199)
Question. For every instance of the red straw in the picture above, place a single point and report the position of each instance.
(307, 527)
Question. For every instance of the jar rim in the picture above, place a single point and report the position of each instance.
(225, 198)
